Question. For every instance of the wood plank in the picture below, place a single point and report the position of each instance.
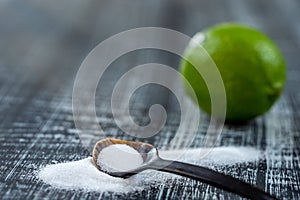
(42, 47)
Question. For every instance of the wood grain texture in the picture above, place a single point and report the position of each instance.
(41, 47)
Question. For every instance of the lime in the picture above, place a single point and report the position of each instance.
(250, 64)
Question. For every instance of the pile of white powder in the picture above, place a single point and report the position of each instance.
(84, 175)
(119, 157)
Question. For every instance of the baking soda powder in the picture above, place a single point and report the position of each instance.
(84, 175)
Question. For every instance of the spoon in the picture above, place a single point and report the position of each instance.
(151, 160)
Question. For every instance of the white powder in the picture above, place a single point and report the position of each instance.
(84, 175)
(119, 157)
(218, 156)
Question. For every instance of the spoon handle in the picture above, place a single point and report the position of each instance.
(213, 178)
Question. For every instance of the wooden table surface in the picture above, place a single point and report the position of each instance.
(42, 45)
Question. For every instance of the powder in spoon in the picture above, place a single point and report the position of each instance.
(119, 157)
(84, 175)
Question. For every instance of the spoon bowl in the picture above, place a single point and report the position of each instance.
(151, 160)
(148, 153)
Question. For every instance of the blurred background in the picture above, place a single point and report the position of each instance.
(43, 39)
(42, 44)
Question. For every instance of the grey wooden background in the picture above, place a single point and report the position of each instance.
(42, 44)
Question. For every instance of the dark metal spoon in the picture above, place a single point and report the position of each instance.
(153, 161)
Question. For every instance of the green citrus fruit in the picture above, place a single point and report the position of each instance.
(250, 64)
